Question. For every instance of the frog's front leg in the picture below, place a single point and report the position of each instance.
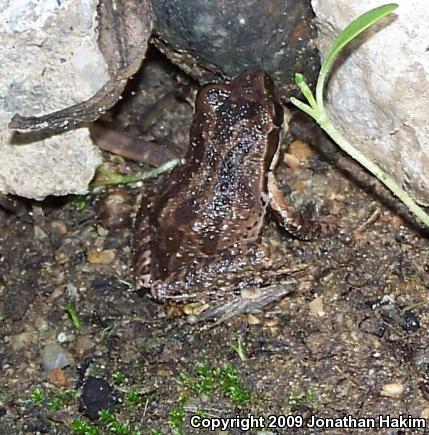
(142, 253)
(229, 271)
(298, 225)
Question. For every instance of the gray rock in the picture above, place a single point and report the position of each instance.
(50, 60)
(379, 95)
(55, 357)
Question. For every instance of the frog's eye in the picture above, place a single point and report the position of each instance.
(269, 84)
(216, 97)
(210, 98)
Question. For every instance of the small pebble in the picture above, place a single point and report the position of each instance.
(21, 341)
(393, 390)
(272, 322)
(62, 337)
(59, 227)
(164, 372)
(58, 378)
(101, 231)
(39, 233)
(300, 150)
(249, 293)
(55, 357)
(253, 320)
(195, 308)
(61, 257)
(96, 256)
(41, 324)
(115, 209)
(297, 155)
(291, 161)
(299, 186)
(192, 319)
(316, 307)
(72, 291)
(83, 345)
(425, 413)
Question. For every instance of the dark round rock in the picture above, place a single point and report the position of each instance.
(96, 395)
(216, 40)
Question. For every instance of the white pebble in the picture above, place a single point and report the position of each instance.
(393, 390)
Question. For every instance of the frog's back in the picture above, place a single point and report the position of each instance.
(217, 198)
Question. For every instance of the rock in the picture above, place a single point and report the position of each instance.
(41, 325)
(379, 95)
(316, 307)
(216, 39)
(84, 345)
(55, 357)
(17, 297)
(106, 256)
(72, 290)
(393, 390)
(50, 60)
(97, 395)
(58, 378)
(59, 227)
(298, 154)
(253, 320)
(62, 337)
(21, 341)
(115, 208)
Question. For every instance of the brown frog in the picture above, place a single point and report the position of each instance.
(202, 236)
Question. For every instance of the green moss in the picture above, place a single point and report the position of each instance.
(79, 202)
(205, 380)
(61, 399)
(37, 395)
(134, 398)
(175, 419)
(229, 382)
(82, 427)
(118, 378)
(298, 397)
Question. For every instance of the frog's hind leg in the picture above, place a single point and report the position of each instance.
(300, 225)
(230, 271)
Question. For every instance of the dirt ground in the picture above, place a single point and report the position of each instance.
(351, 341)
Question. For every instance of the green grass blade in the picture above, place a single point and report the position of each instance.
(74, 316)
(305, 89)
(354, 29)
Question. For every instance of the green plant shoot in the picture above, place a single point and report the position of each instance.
(316, 108)
(74, 316)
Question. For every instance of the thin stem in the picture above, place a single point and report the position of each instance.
(304, 107)
(113, 178)
(153, 173)
(388, 181)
